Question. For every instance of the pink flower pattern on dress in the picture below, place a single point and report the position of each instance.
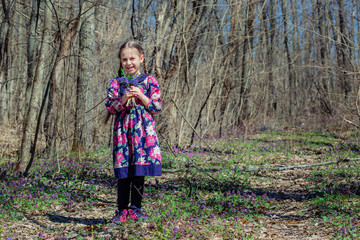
(150, 141)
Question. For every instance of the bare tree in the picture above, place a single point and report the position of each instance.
(36, 75)
(83, 136)
(221, 65)
(342, 49)
(6, 28)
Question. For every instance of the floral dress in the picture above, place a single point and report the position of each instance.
(136, 150)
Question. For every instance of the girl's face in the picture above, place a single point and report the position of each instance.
(130, 60)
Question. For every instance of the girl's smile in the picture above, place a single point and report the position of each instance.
(131, 60)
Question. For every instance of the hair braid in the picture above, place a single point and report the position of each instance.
(120, 73)
(144, 66)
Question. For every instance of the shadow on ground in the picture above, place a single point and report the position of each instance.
(56, 218)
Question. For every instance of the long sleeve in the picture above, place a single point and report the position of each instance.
(154, 96)
(113, 101)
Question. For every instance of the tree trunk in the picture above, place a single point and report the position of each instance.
(50, 122)
(269, 32)
(322, 76)
(18, 93)
(247, 46)
(83, 137)
(41, 73)
(291, 74)
(230, 60)
(5, 62)
(35, 84)
(342, 50)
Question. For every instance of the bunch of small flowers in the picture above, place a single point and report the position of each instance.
(126, 81)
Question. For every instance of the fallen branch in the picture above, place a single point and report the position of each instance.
(255, 169)
(354, 124)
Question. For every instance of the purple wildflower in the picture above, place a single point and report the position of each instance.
(265, 197)
(343, 229)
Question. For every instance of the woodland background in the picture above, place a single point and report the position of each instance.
(224, 67)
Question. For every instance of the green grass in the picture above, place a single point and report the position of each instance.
(192, 204)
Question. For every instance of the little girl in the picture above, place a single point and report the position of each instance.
(136, 150)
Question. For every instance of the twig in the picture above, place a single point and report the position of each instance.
(192, 127)
(193, 165)
(168, 144)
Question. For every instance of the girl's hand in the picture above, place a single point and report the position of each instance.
(135, 91)
(126, 97)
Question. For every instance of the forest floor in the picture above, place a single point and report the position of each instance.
(210, 194)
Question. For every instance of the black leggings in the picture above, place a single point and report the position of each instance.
(123, 192)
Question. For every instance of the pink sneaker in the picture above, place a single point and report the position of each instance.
(136, 214)
(120, 217)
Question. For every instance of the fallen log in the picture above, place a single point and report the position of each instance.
(255, 169)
